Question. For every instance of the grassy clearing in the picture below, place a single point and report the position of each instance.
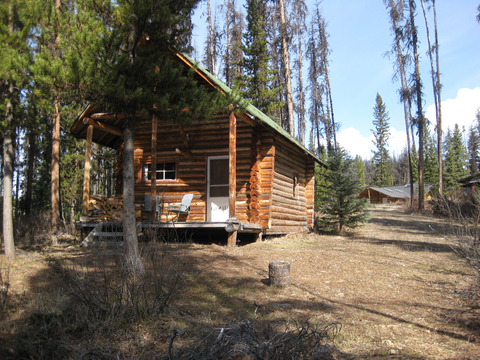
(395, 285)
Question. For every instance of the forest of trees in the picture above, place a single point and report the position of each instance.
(59, 55)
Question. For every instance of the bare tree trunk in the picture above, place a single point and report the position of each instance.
(8, 158)
(394, 16)
(301, 111)
(17, 169)
(211, 49)
(420, 120)
(32, 144)
(153, 189)
(133, 261)
(436, 91)
(55, 177)
(286, 61)
(439, 117)
(332, 119)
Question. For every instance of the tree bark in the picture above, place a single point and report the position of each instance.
(8, 158)
(55, 177)
(439, 117)
(153, 208)
(301, 117)
(420, 120)
(133, 261)
(436, 91)
(286, 61)
(211, 49)
(405, 93)
(86, 173)
(32, 144)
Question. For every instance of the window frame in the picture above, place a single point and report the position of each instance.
(142, 172)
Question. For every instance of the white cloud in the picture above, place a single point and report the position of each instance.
(397, 142)
(356, 144)
(460, 110)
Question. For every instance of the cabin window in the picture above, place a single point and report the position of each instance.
(295, 186)
(164, 171)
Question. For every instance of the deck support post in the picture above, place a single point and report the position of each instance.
(86, 174)
(232, 152)
(153, 167)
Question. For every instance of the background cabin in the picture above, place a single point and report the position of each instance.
(243, 169)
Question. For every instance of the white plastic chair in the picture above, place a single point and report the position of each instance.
(184, 207)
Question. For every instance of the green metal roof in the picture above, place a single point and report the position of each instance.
(258, 115)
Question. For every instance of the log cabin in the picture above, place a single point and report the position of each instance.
(246, 173)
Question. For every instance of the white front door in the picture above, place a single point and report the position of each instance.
(217, 189)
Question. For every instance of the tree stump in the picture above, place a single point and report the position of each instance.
(279, 273)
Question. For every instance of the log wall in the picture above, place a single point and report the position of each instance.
(292, 190)
(266, 166)
(204, 139)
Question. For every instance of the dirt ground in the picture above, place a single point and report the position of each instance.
(396, 287)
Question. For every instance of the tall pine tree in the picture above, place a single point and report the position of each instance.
(134, 72)
(14, 76)
(382, 163)
(257, 76)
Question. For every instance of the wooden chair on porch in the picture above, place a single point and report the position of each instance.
(147, 207)
(184, 207)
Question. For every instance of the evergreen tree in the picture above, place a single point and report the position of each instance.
(360, 171)
(133, 71)
(257, 76)
(431, 159)
(338, 204)
(473, 149)
(15, 63)
(383, 171)
(456, 159)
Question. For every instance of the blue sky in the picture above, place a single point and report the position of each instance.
(360, 36)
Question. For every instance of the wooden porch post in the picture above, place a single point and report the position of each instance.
(86, 175)
(232, 147)
(153, 167)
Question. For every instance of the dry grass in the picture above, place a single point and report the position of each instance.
(395, 285)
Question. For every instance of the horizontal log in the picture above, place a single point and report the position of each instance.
(277, 230)
(277, 222)
(285, 201)
(297, 211)
(282, 216)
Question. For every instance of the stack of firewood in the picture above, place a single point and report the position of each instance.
(105, 208)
